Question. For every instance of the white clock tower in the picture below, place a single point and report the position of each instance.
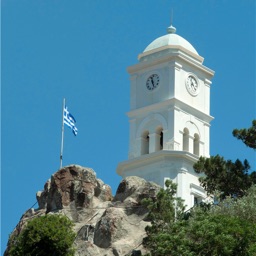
(169, 116)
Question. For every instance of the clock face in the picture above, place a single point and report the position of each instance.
(152, 82)
(192, 85)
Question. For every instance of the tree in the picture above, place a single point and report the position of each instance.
(43, 236)
(243, 208)
(248, 136)
(208, 231)
(230, 179)
(162, 213)
(225, 176)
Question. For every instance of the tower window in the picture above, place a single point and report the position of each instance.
(159, 139)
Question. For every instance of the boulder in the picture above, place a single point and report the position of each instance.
(74, 184)
(104, 225)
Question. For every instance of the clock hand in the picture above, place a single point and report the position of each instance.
(192, 84)
(152, 81)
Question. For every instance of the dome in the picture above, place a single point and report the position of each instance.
(171, 39)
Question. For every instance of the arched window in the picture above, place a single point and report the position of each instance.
(145, 143)
(196, 144)
(159, 138)
(186, 139)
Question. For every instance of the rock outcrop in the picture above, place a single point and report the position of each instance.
(105, 225)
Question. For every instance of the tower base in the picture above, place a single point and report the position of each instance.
(165, 164)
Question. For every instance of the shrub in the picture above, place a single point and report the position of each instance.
(45, 235)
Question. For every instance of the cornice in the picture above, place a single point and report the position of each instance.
(175, 56)
(169, 104)
(155, 157)
(172, 48)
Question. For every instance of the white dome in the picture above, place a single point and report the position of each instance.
(171, 39)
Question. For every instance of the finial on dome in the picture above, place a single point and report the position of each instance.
(171, 30)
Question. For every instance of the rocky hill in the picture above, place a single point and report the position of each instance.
(105, 225)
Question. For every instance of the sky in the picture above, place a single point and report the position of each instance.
(80, 50)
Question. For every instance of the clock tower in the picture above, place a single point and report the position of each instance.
(169, 115)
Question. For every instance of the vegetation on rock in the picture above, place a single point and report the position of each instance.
(46, 235)
(163, 211)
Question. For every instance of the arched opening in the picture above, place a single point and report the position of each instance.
(159, 139)
(185, 139)
(145, 143)
(196, 144)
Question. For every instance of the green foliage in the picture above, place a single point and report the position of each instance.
(244, 208)
(208, 231)
(45, 235)
(248, 136)
(165, 205)
(163, 212)
(231, 179)
(227, 177)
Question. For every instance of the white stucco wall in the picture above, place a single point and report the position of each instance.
(164, 113)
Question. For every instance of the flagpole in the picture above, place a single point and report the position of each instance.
(62, 134)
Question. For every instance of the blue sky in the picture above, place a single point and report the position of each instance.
(80, 50)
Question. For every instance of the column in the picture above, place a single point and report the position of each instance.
(154, 142)
(181, 181)
(190, 143)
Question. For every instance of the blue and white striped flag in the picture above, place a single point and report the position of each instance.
(70, 121)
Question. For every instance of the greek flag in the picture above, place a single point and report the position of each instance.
(70, 121)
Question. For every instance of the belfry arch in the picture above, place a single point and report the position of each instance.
(150, 133)
(191, 138)
(152, 122)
